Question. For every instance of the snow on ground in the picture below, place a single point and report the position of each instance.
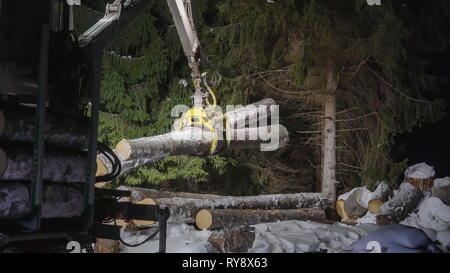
(420, 171)
(278, 237)
(433, 217)
(301, 236)
(181, 238)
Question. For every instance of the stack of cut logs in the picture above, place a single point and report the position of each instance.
(390, 207)
(229, 215)
(64, 167)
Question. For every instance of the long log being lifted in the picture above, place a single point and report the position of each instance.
(249, 115)
(16, 163)
(196, 141)
(59, 201)
(104, 166)
(188, 207)
(17, 124)
(228, 218)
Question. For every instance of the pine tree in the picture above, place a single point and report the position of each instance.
(278, 50)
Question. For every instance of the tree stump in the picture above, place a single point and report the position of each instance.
(441, 189)
(238, 240)
(421, 176)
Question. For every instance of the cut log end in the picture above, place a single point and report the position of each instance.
(123, 149)
(374, 206)
(3, 161)
(203, 219)
(340, 209)
(101, 168)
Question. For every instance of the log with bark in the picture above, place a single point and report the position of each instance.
(228, 218)
(104, 166)
(17, 124)
(138, 194)
(195, 141)
(405, 199)
(16, 163)
(59, 201)
(421, 176)
(355, 203)
(188, 207)
(250, 115)
(353, 206)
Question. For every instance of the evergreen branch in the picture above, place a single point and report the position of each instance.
(398, 90)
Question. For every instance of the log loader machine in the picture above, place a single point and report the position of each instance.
(48, 74)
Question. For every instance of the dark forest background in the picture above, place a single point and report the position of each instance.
(389, 60)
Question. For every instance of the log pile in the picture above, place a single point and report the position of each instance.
(383, 207)
(405, 199)
(231, 217)
(64, 163)
(355, 204)
(59, 200)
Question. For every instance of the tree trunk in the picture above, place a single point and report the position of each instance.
(104, 166)
(405, 199)
(329, 137)
(65, 166)
(17, 124)
(228, 218)
(195, 141)
(59, 201)
(188, 207)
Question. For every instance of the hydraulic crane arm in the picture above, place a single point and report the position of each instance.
(182, 16)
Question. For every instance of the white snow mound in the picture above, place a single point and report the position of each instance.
(441, 182)
(433, 217)
(420, 171)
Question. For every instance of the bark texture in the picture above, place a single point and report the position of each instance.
(228, 218)
(352, 206)
(17, 124)
(138, 194)
(329, 136)
(405, 199)
(195, 141)
(65, 166)
(59, 201)
(238, 240)
(188, 207)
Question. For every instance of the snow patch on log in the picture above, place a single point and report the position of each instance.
(188, 207)
(405, 199)
(420, 171)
